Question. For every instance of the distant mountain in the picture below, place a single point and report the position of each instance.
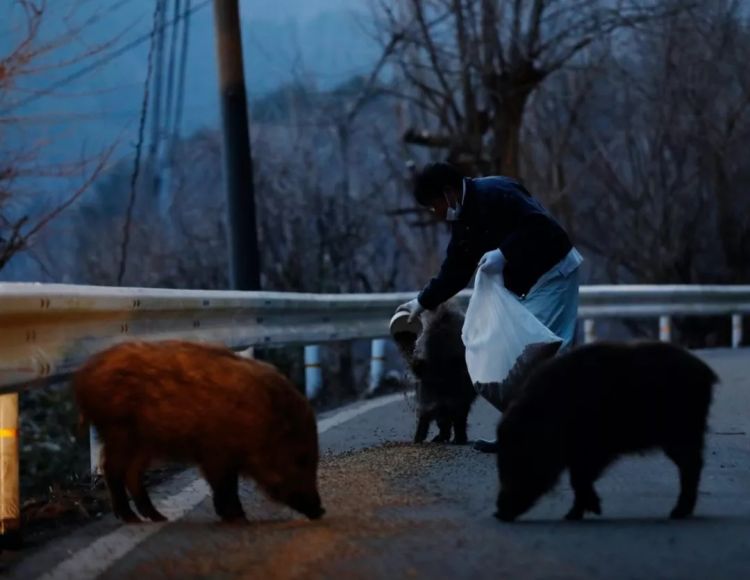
(321, 43)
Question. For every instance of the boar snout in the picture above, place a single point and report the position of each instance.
(315, 514)
(510, 505)
(309, 505)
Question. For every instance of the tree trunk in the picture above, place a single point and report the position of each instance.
(729, 229)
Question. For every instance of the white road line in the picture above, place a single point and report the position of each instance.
(348, 413)
(94, 559)
(97, 557)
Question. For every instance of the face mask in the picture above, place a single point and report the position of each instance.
(453, 213)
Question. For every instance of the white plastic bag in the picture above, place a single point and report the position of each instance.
(504, 341)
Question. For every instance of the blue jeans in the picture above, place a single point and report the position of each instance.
(554, 301)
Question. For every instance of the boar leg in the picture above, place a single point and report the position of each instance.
(423, 426)
(582, 478)
(459, 428)
(444, 424)
(225, 487)
(689, 461)
(115, 465)
(134, 483)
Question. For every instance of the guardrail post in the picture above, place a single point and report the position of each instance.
(665, 328)
(588, 331)
(10, 492)
(313, 372)
(736, 330)
(95, 454)
(377, 364)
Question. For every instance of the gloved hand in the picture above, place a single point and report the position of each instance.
(413, 307)
(492, 262)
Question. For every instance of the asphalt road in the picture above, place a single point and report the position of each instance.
(397, 510)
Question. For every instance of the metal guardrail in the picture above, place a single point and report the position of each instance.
(49, 330)
(642, 301)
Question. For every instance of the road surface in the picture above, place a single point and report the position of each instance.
(398, 510)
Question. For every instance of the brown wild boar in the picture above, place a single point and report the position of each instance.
(189, 402)
(585, 408)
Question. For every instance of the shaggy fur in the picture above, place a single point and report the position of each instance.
(203, 404)
(585, 408)
(436, 358)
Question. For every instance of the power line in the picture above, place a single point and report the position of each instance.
(182, 74)
(138, 147)
(162, 121)
(98, 63)
(169, 105)
(161, 7)
(158, 84)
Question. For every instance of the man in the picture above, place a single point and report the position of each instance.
(497, 221)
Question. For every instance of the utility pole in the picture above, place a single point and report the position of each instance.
(243, 233)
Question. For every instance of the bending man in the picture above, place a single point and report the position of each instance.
(496, 220)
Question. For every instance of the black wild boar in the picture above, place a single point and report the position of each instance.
(585, 408)
(191, 402)
(437, 360)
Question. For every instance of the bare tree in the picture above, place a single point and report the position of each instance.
(653, 164)
(556, 156)
(716, 42)
(24, 171)
(188, 250)
(472, 65)
(663, 168)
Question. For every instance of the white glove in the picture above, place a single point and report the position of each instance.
(413, 307)
(492, 262)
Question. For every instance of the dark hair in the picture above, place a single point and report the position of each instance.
(433, 179)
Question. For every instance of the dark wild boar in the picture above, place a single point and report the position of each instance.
(585, 408)
(437, 360)
(189, 402)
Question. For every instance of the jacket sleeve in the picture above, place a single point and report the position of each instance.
(458, 267)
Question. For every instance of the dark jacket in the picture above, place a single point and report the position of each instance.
(498, 212)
